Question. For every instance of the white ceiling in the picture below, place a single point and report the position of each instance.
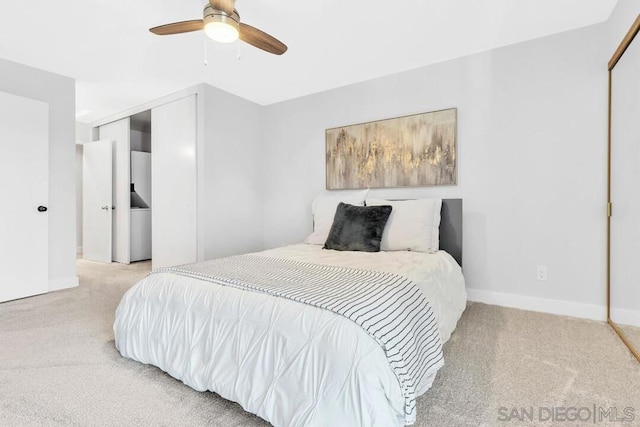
(118, 64)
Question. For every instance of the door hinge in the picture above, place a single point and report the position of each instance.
(609, 207)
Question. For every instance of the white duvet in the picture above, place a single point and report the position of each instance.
(290, 363)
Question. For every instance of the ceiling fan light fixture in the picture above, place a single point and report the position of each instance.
(221, 27)
(221, 23)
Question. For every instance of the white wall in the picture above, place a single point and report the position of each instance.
(233, 159)
(59, 93)
(84, 134)
(532, 160)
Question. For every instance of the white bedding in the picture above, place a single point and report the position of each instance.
(290, 363)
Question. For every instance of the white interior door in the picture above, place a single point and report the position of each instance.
(97, 194)
(120, 133)
(173, 183)
(24, 185)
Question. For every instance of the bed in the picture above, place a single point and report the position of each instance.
(291, 363)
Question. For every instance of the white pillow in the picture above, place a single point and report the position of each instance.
(324, 210)
(414, 225)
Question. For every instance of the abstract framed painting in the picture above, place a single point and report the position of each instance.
(412, 151)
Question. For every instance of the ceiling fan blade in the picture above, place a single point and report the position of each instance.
(227, 6)
(261, 40)
(178, 27)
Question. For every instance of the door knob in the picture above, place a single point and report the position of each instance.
(42, 209)
(105, 208)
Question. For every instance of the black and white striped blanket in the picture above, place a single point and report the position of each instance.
(389, 307)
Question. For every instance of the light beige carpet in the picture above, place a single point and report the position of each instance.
(632, 333)
(59, 366)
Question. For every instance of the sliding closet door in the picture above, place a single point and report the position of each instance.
(625, 195)
(24, 185)
(173, 177)
(120, 133)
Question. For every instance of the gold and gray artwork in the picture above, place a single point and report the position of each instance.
(411, 151)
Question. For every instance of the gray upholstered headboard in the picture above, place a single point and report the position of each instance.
(451, 228)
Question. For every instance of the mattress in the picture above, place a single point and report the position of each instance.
(290, 363)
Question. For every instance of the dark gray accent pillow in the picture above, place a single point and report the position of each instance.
(357, 228)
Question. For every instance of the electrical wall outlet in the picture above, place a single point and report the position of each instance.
(541, 273)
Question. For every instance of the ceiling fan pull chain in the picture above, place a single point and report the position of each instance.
(239, 54)
(206, 52)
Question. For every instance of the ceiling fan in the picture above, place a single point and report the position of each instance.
(221, 23)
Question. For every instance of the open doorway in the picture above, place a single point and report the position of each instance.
(140, 187)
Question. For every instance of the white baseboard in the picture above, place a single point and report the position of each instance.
(624, 316)
(543, 305)
(59, 284)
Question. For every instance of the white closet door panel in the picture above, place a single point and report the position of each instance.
(24, 185)
(174, 172)
(97, 193)
(120, 133)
